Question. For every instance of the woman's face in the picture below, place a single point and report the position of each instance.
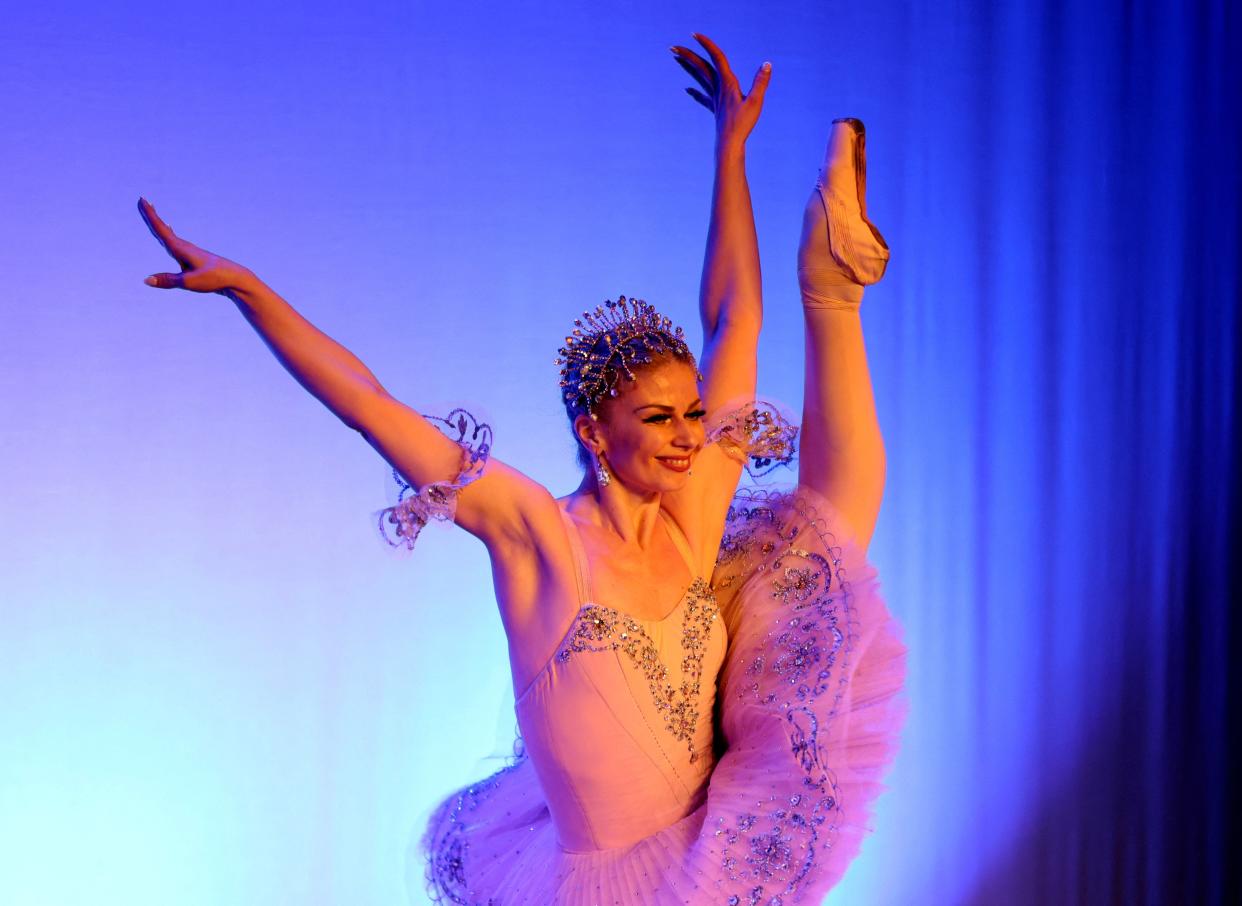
(651, 431)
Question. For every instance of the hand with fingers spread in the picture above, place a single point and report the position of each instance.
(736, 114)
(201, 271)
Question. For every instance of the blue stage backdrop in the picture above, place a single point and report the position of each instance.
(218, 686)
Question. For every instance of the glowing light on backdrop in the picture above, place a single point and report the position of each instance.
(215, 684)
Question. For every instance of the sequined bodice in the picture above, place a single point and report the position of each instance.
(618, 724)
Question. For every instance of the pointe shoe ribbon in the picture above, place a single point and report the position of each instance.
(841, 250)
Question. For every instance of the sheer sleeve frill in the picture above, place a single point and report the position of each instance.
(400, 523)
(756, 433)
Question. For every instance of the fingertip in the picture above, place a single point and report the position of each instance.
(151, 281)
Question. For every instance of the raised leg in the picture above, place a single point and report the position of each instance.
(842, 452)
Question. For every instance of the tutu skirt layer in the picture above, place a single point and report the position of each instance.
(809, 714)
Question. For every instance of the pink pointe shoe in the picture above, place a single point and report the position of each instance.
(841, 250)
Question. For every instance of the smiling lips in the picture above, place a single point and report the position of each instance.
(676, 463)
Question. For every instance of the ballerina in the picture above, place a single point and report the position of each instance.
(705, 681)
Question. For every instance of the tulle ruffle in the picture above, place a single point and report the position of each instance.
(400, 523)
(810, 691)
(810, 714)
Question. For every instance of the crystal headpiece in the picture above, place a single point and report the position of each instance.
(602, 347)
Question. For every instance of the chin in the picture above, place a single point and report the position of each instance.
(672, 481)
(659, 484)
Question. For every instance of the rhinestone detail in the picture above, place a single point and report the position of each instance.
(599, 628)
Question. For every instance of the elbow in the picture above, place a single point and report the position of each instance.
(364, 409)
(733, 330)
(747, 322)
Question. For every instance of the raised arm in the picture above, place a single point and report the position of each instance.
(842, 453)
(730, 293)
(495, 507)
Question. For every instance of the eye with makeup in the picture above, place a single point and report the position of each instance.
(695, 414)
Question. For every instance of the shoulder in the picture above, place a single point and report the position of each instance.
(509, 512)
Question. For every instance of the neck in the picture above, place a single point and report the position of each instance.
(617, 509)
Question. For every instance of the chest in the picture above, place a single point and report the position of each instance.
(648, 585)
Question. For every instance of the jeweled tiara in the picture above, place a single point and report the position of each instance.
(600, 349)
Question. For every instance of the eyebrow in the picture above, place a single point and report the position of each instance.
(697, 402)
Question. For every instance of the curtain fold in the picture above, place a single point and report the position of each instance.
(1063, 451)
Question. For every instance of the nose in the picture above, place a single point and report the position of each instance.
(687, 433)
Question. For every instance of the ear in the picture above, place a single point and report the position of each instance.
(588, 431)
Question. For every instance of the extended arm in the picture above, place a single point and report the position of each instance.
(730, 292)
(494, 507)
(336, 377)
(730, 296)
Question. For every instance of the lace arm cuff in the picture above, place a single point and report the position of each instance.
(756, 434)
(400, 524)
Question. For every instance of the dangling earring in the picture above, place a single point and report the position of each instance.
(601, 474)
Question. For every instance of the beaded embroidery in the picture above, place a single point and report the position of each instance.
(771, 848)
(447, 854)
(438, 500)
(755, 433)
(599, 628)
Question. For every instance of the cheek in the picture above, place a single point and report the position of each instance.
(651, 444)
(626, 443)
(643, 444)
